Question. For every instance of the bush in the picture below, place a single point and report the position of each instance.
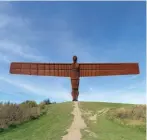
(13, 114)
(134, 116)
(42, 105)
(30, 103)
(47, 101)
(137, 112)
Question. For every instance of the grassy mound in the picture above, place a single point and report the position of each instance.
(113, 121)
(51, 126)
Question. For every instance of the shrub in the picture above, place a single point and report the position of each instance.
(47, 101)
(30, 103)
(13, 114)
(137, 112)
(133, 116)
(42, 105)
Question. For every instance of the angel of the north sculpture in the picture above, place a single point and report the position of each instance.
(74, 70)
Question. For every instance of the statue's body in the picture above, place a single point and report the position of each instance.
(74, 70)
(75, 77)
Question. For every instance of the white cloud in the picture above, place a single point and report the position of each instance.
(56, 91)
(16, 30)
(33, 88)
(108, 96)
(139, 84)
(4, 58)
(14, 35)
(16, 50)
(91, 89)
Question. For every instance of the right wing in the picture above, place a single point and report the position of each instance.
(43, 69)
(108, 69)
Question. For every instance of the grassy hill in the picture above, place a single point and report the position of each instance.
(48, 127)
(105, 121)
(112, 121)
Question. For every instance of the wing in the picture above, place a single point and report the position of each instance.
(43, 69)
(108, 69)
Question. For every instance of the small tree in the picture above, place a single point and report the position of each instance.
(30, 103)
(47, 101)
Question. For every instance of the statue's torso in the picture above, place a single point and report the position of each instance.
(75, 73)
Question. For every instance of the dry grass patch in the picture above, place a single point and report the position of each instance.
(131, 116)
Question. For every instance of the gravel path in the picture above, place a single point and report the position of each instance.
(77, 125)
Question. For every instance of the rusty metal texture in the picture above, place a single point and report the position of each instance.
(41, 69)
(108, 69)
(74, 70)
(75, 94)
(75, 83)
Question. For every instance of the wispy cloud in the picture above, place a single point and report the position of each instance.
(56, 91)
(14, 35)
(114, 97)
(4, 58)
(62, 94)
(18, 50)
(59, 92)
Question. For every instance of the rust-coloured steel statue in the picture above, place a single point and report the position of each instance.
(74, 70)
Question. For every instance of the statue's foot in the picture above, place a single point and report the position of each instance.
(74, 100)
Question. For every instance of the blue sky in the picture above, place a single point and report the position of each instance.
(55, 31)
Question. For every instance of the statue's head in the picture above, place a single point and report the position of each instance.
(74, 59)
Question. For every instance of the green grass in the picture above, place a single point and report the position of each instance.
(51, 126)
(106, 129)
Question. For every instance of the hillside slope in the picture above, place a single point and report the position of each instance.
(48, 127)
(100, 127)
(96, 125)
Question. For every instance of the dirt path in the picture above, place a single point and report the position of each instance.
(77, 125)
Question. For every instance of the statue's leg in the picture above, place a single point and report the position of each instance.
(75, 94)
(75, 87)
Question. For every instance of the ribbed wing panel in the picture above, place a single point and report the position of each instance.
(41, 69)
(108, 69)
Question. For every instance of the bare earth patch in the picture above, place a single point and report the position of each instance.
(77, 124)
(93, 116)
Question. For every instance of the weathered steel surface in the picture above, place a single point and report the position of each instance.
(41, 69)
(74, 70)
(108, 69)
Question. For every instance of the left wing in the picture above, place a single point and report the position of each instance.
(42, 69)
